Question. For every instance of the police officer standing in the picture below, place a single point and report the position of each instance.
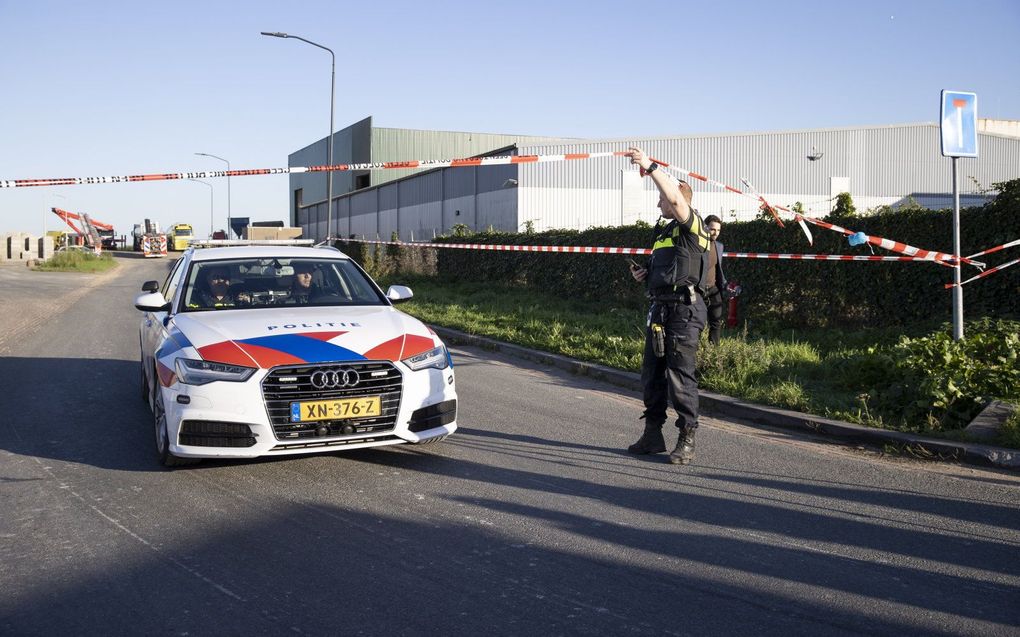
(672, 277)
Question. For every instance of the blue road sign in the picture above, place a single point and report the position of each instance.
(959, 124)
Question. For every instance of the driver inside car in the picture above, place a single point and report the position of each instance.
(217, 293)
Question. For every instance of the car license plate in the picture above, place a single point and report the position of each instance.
(335, 409)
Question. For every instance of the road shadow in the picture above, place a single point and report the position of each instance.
(80, 410)
(283, 568)
(753, 516)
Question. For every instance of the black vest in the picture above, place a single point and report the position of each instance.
(676, 261)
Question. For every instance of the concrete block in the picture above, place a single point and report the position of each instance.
(44, 247)
(4, 251)
(15, 246)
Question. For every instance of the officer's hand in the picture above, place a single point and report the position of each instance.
(638, 157)
(639, 274)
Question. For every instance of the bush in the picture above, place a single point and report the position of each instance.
(793, 294)
(942, 382)
(802, 294)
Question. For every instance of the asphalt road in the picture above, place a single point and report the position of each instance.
(529, 520)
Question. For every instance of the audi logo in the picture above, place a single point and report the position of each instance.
(335, 378)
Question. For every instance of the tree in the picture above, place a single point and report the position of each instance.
(844, 207)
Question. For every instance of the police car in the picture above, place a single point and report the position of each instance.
(268, 349)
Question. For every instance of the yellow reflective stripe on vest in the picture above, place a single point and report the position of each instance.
(697, 228)
(665, 242)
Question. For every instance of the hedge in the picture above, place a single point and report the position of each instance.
(793, 293)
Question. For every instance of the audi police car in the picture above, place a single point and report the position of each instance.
(265, 350)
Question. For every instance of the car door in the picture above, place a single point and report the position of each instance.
(154, 324)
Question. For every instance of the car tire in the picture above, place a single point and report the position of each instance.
(166, 458)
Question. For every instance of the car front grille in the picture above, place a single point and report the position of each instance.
(286, 385)
(205, 433)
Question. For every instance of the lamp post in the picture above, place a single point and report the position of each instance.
(329, 151)
(228, 192)
(206, 183)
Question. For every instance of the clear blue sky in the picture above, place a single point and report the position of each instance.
(116, 88)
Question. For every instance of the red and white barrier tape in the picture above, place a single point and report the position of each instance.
(902, 248)
(509, 248)
(386, 165)
(817, 257)
(888, 244)
(768, 206)
(632, 251)
(985, 273)
(1015, 242)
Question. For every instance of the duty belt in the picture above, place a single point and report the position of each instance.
(686, 294)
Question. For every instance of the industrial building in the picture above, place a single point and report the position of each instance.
(878, 165)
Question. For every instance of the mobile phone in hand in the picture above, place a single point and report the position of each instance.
(634, 265)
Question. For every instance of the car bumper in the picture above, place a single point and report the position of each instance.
(428, 398)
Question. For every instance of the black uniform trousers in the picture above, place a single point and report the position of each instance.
(714, 298)
(672, 377)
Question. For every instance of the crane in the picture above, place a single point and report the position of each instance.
(90, 228)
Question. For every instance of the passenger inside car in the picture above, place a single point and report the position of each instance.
(303, 288)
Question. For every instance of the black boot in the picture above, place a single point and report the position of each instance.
(684, 452)
(651, 441)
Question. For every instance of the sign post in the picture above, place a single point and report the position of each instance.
(958, 128)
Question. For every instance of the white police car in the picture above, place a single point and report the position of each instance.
(265, 350)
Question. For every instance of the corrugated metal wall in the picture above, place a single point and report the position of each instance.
(428, 204)
(879, 165)
(398, 144)
(361, 143)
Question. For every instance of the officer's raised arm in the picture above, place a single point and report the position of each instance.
(671, 201)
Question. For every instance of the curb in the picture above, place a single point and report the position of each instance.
(750, 413)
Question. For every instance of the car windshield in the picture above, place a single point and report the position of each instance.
(266, 282)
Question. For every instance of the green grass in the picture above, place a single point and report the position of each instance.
(77, 261)
(587, 331)
(822, 372)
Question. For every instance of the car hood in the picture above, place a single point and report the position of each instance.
(286, 336)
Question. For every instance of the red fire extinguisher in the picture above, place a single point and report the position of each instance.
(733, 288)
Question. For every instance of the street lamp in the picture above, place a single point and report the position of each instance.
(206, 183)
(329, 156)
(228, 189)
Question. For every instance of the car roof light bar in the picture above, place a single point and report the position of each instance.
(219, 243)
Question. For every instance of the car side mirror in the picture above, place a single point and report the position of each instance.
(151, 302)
(150, 286)
(399, 293)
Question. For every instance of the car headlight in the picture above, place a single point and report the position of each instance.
(194, 372)
(435, 358)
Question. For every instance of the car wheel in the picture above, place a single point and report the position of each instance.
(166, 458)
